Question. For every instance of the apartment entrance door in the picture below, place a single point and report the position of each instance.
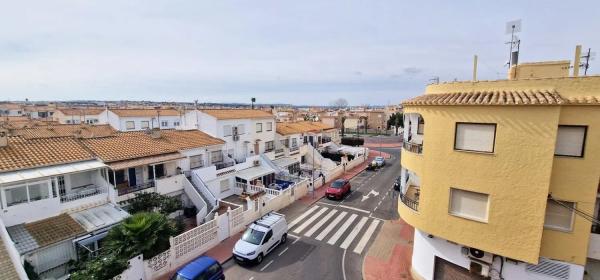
(256, 148)
(445, 270)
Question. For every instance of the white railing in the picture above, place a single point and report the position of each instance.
(83, 193)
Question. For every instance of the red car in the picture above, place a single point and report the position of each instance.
(338, 189)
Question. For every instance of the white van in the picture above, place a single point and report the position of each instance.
(260, 238)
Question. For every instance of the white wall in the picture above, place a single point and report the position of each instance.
(425, 250)
(414, 125)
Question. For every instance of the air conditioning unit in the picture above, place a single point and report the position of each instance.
(479, 268)
(236, 137)
(257, 163)
(480, 255)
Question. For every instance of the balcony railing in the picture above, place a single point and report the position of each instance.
(411, 198)
(222, 165)
(294, 149)
(269, 149)
(131, 189)
(279, 151)
(82, 193)
(413, 147)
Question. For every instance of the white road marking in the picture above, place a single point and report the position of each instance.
(365, 238)
(267, 265)
(341, 231)
(297, 239)
(294, 236)
(325, 203)
(354, 233)
(320, 223)
(331, 226)
(297, 220)
(286, 248)
(309, 221)
(355, 209)
(344, 265)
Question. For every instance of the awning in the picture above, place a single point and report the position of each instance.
(285, 162)
(144, 161)
(42, 172)
(254, 172)
(99, 217)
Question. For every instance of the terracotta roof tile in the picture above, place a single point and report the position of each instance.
(144, 112)
(229, 114)
(7, 268)
(62, 130)
(28, 153)
(521, 97)
(55, 229)
(300, 127)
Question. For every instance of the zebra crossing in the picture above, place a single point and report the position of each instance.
(335, 227)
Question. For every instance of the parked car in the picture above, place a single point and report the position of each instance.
(261, 237)
(338, 189)
(376, 163)
(397, 183)
(204, 267)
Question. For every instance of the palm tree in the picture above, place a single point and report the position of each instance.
(143, 233)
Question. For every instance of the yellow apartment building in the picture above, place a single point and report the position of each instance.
(500, 178)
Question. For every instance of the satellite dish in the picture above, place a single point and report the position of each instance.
(513, 26)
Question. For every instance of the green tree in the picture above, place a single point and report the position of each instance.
(395, 120)
(151, 202)
(103, 267)
(142, 233)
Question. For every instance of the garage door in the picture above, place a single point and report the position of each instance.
(445, 270)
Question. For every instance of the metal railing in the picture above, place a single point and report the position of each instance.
(294, 149)
(221, 165)
(279, 151)
(410, 202)
(136, 188)
(85, 192)
(413, 147)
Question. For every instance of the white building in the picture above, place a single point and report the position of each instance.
(142, 119)
(77, 116)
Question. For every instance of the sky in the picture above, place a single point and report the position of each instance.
(308, 52)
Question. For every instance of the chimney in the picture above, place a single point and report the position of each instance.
(577, 61)
(3, 137)
(474, 68)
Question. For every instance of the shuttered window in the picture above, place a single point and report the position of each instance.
(558, 216)
(468, 204)
(196, 161)
(570, 140)
(475, 137)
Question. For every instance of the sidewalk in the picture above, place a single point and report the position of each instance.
(390, 255)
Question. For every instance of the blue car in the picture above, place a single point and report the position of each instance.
(202, 268)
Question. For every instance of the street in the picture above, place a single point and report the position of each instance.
(329, 239)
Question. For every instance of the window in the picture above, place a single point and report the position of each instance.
(258, 127)
(468, 204)
(479, 137)
(145, 124)
(269, 146)
(294, 142)
(559, 216)
(420, 126)
(240, 129)
(216, 156)
(268, 236)
(38, 191)
(16, 195)
(176, 123)
(130, 125)
(164, 123)
(570, 140)
(196, 161)
(224, 185)
(270, 126)
(227, 131)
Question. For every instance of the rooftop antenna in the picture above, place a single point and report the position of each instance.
(587, 57)
(513, 27)
(435, 80)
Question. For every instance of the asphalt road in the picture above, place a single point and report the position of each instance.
(328, 240)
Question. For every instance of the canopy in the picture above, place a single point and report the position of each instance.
(47, 171)
(144, 161)
(252, 173)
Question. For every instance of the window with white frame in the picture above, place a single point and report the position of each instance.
(26, 193)
(258, 127)
(421, 126)
(559, 215)
(224, 184)
(129, 125)
(196, 161)
(227, 130)
(16, 195)
(269, 146)
(164, 123)
(479, 137)
(469, 205)
(145, 124)
(270, 126)
(294, 142)
(38, 191)
(216, 156)
(570, 140)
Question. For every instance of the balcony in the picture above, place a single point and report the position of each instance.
(123, 189)
(413, 147)
(294, 150)
(223, 165)
(411, 197)
(279, 151)
(81, 192)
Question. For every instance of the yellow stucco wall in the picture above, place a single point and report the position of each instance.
(518, 176)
